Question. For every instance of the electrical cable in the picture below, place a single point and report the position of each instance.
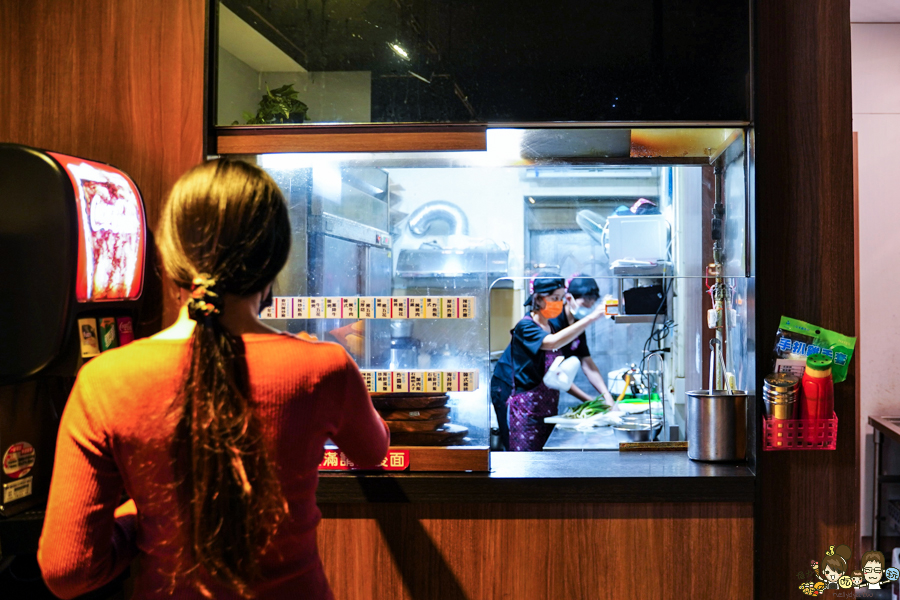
(656, 334)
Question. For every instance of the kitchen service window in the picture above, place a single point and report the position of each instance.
(419, 264)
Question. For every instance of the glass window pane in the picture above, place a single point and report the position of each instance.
(479, 225)
(451, 61)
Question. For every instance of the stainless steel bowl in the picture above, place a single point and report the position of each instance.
(628, 422)
(632, 432)
(643, 418)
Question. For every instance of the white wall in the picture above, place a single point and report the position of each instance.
(332, 97)
(876, 118)
(238, 88)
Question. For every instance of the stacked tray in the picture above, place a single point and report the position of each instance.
(418, 419)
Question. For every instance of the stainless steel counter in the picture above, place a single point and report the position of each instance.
(568, 438)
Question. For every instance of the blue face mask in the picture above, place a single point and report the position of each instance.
(581, 312)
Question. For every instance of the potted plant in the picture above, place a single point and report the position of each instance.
(278, 106)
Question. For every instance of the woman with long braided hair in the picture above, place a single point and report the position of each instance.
(214, 427)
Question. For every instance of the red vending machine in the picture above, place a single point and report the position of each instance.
(73, 240)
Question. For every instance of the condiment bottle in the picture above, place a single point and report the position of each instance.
(780, 392)
(817, 400)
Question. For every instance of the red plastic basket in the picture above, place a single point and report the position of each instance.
(800, 434)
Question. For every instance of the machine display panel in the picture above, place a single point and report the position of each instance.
(111, 231)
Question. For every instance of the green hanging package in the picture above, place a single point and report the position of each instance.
(796, 340)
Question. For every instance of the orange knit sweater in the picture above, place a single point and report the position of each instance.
(116, 433)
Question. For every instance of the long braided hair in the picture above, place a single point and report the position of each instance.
(225, 230)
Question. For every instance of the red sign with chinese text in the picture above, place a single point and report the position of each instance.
(334, 460)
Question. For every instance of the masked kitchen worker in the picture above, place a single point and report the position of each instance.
(553, 327)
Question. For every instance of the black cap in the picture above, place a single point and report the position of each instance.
(583, 285)
(544, 283)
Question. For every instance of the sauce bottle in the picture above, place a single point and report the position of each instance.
(817, 400)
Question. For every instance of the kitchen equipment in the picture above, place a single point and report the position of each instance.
(74, 243)
(416, 425)
(447, 435)
(341, 246)
(633, 405)
(780, 392)
(660, 384)
(717, 425)
(404, 348)
(644, 419)
(644, 300)
(638, 237)
(408, 401)
(634, 432)
(418, 414)
(799, 434)
(455, 254)
(561, 374)
(401, 328)
(432, 260)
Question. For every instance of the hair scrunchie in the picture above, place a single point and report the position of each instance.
(205, 301)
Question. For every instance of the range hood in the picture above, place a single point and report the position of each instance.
(430, 260)
(453, 255)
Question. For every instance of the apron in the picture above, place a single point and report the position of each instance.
(527, 430)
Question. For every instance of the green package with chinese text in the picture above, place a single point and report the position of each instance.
(796, 339)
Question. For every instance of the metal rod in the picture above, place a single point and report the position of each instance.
(878, 438)
(660, 386)
(719, 294)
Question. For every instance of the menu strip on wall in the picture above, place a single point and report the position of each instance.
(419, 381)
(371, 307)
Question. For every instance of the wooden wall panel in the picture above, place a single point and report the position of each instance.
(804, 194)
(524, 552)
(339, 140)
(119, 81)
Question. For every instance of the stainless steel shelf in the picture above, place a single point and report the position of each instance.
(639, 318)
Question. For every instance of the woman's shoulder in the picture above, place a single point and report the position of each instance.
(526, 323)
(302, 342)
(137, 356)
(296, 350)
(527, 328)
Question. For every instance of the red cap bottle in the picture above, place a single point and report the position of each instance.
(817, 388)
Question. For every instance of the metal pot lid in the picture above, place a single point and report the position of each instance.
(782, 382)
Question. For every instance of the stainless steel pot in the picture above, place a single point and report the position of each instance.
(401, 328)
(717, 425)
